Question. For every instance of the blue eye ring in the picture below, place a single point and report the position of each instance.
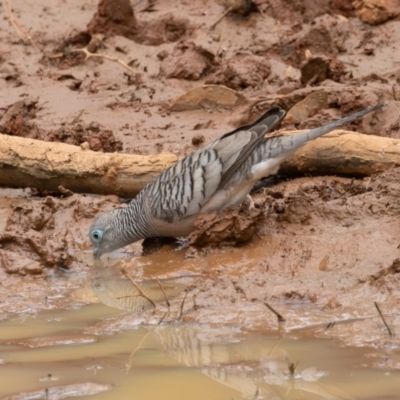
(97, 235)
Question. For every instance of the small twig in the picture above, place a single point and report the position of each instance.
(279, 316)
(312, 80)
(128, 365)
(221, 17)
(128, 296)
(350, 63)
(165, 296)
(221, 38)
(275, 347)
(37, 130)
(21, 33)
(256, 393)
(394, 93)
(125, 272)
(78, 117)
(188, 289)
(330, 325)
(163, 317)
(292, 366)
(182, 305)
(88, 55)
(383, 319)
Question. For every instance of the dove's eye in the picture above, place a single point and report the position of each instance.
(97, 235)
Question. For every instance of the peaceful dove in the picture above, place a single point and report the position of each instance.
(215, 176)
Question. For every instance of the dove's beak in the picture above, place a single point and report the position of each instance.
(97, 253)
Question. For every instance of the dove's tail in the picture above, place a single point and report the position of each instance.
(314, 133)
(271, 152)
(287, 144)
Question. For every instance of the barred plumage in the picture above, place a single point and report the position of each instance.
(217, 175)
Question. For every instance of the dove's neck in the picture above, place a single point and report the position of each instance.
(134, 222)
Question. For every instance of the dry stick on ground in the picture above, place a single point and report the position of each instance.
(46, 165)
(88, 55)
(22, 34)
(279, 316)
(125, 272)
(383, 319)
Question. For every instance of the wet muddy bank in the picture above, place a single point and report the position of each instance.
(318, 249)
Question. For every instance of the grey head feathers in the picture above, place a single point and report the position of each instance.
(217, 175)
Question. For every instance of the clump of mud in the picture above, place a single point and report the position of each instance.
(117, 17)
(46, 233)
(242, 71)
(187, 61)
(18, 120)
(303, 11)
(375, 12)
(233, 226)
(166, 29)
(319, 68)
(114, 17)
(96, 137)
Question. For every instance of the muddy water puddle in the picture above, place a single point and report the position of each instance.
(57, 354)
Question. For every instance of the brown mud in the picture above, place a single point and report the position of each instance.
(319, 249)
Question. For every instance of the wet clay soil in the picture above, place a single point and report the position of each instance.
(319, 249)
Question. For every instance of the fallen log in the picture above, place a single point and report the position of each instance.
(49, 165)
(344, 153)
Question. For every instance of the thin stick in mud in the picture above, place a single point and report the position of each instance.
(188, 289)
(88, 55)
(221, 18)
(383, 319)
(128, 365)
(165, 296)
(22, 34)
(279, 316)
(125, 272)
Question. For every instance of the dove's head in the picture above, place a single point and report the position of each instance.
(104, 233)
